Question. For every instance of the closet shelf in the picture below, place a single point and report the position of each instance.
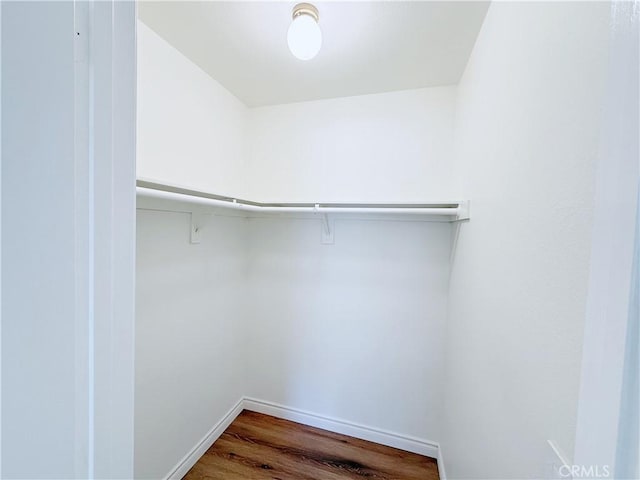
(458, 210)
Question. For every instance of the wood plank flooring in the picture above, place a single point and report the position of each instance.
(261, 447)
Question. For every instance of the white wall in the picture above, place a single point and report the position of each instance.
(68, 239)
(526, 136)
(608, 423)
(38, 204)
(189, 334)
(191, 131)
(260, 308)
(384, 147)
(353, 330)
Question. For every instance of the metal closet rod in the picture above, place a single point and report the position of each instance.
(154, 190)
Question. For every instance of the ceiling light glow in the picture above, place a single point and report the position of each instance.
(304, 36)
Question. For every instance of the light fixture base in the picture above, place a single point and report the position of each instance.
(306, 9)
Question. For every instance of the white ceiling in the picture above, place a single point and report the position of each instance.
(368, 47)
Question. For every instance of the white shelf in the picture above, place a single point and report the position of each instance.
(454, 211)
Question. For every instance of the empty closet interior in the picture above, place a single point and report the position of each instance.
(358, 240)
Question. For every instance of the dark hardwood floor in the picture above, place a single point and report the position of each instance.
(260, 447)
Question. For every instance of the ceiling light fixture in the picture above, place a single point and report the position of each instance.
(304, 36)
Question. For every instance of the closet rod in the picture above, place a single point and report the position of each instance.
(446, 209)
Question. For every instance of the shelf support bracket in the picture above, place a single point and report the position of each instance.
(464, 211)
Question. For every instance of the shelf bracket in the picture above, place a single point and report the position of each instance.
(464, 211)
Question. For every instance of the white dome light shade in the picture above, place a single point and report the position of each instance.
(304, 37)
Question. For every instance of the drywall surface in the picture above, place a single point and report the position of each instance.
(383, 147)
(189, 348)
(527, 128)
(389, 147)
(609, 408)
(38, 240)
(352, 330)
(190, 129)
(67, 239)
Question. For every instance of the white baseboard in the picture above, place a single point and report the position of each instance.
(390, 439)
(383, 437)
(190, 459)
(441, 471)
